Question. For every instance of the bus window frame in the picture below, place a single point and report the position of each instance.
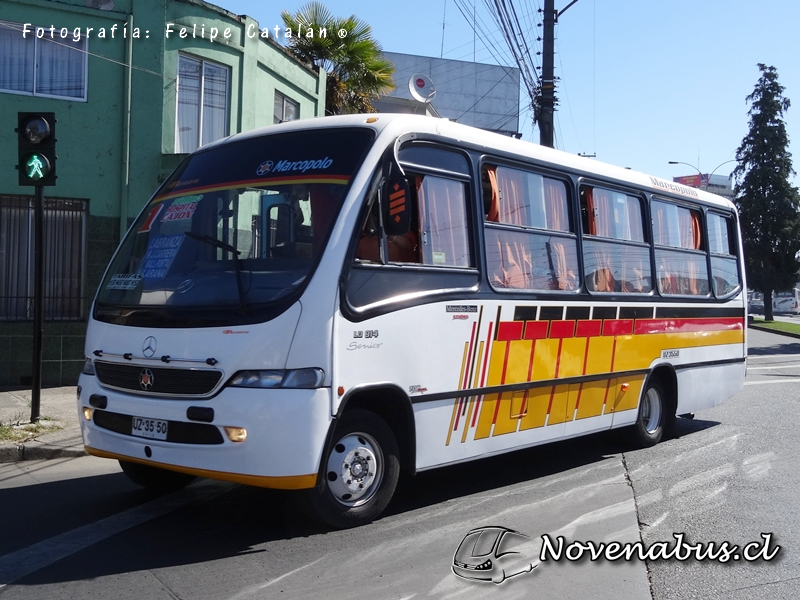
(419, 271)
(702, 209)
(644, 205)
(489, 160)
(733, 241)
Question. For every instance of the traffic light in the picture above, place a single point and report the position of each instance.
(36, 141)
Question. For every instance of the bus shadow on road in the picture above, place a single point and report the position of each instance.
(244, 522)
(433, 487)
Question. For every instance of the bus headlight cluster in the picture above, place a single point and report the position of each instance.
(88, 366)
(293, 378)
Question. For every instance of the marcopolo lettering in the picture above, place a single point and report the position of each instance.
(673, 187)
(303, 165)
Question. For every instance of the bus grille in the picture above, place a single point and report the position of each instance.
(157, 380)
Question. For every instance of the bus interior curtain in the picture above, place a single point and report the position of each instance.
(516, 266)
(555, 201)
(598, 203)
(689, 222)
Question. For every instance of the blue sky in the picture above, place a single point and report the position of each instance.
(643, 82)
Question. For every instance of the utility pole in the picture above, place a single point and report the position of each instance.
(548, 93)
(547, 97)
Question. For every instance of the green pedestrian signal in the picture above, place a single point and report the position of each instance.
(37, 167)
(36, 141)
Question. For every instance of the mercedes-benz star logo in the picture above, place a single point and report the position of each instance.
(149, 347)
(146, 379)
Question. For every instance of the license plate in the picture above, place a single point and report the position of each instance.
(150, 428)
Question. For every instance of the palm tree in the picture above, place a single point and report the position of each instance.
(357, 70)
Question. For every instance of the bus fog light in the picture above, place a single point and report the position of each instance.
(87, 413)
(236, 434)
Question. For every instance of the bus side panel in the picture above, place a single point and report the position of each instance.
(705, 388)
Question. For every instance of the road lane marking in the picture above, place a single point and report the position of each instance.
(773, 368)
(759, 356)
(249, 591)
(784, 380)
(21, 563)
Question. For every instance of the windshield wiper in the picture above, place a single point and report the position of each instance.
(237, 267)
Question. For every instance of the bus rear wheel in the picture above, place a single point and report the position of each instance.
(154, 478)
(358, 475)
(649, 427)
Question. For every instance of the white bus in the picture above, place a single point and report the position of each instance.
(317, 305)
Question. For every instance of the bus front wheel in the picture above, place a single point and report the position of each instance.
(359, 472)
(154, 478)
(649, 427)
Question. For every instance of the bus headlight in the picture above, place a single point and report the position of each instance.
(88, 367)
(295, 378)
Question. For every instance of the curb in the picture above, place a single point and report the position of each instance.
(18, 452)
(60, 445)
(776, 332)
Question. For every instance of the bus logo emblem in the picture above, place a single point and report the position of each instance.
(264, 168)
(149, 347)
(146, 380)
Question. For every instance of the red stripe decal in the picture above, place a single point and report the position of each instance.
(618, 327)
(688, 325)
(536, 330)
(483, 372)
(589, 328)
(562, 329)
(510, 330)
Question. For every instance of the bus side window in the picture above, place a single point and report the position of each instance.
(680, 258)
(369, 244)
(529, 241)
(443, 222)
(616, 255)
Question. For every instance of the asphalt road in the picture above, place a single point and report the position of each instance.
(78, 529)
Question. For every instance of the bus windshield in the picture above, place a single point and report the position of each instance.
(236, 231)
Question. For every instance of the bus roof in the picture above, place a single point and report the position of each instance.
(393, 125)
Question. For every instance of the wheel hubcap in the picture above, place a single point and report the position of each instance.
(354, 469)
(651, 411)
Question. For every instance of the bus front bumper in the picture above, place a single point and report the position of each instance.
(285, 433)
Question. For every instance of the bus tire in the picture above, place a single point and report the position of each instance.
(649, 427)
(358, 474)
(154, 478)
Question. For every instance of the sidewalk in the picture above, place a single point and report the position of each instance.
(59, 413)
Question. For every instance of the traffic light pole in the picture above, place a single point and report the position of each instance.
(38, 302)
(36, 163)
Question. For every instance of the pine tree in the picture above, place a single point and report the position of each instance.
(357, 71)
(767, 202)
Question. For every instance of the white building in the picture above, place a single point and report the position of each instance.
(477, 94)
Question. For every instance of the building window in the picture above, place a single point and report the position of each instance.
(64, 258)
(54, 67)
(286, 109)
(202, 104)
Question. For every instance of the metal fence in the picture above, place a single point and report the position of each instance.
(65, 223)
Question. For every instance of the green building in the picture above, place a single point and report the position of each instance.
(135, 86)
